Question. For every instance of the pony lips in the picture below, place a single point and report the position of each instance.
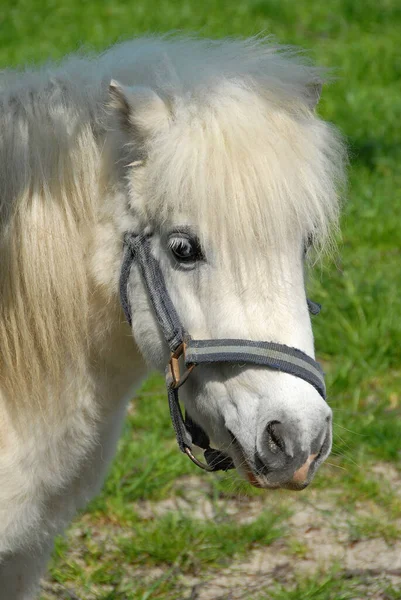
(252, 479)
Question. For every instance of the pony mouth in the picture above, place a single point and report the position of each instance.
(244, 468)
(261, 481)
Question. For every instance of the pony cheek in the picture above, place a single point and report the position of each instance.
(205, 399)
(149, 340)
(145, 330)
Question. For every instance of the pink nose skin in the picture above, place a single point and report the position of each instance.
(300, 476)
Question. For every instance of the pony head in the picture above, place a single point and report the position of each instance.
(224, 161)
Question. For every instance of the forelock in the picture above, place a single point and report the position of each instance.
(246, 167)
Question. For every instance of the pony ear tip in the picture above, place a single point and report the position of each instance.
(114, 85)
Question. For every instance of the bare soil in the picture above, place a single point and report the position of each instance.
(319, 536)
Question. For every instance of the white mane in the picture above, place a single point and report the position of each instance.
(247, 157)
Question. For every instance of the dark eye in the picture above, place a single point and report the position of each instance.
(185, 248)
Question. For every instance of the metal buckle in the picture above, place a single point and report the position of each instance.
(198, 462)
(174, 367)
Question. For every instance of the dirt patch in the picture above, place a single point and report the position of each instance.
(389, 474)
(318, 536)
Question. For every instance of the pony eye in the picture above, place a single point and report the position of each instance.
(185, 249)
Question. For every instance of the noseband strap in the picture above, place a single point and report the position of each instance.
(189, 353)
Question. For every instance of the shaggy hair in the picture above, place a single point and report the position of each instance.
(243, 153)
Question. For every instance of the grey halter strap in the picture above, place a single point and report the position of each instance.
(196, 352)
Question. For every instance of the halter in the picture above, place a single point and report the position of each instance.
(189, 353)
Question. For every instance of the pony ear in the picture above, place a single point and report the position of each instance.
(138, 108)
(313, 93)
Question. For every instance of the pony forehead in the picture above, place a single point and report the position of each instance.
(244, 155)
(243, 167)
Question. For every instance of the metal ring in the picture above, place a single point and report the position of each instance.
(197, 462)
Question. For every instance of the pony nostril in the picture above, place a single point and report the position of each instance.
(325, 447)
(273, 457)
(274, 439)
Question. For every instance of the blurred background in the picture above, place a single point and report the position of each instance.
(161, 528)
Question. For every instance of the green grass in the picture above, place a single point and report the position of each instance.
(326, 587)
(176, 539)
(373, 527)
(357, 334)
(181, 544)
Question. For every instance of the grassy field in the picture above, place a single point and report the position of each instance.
(163, 530)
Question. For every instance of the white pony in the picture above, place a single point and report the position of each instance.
(215, 148)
